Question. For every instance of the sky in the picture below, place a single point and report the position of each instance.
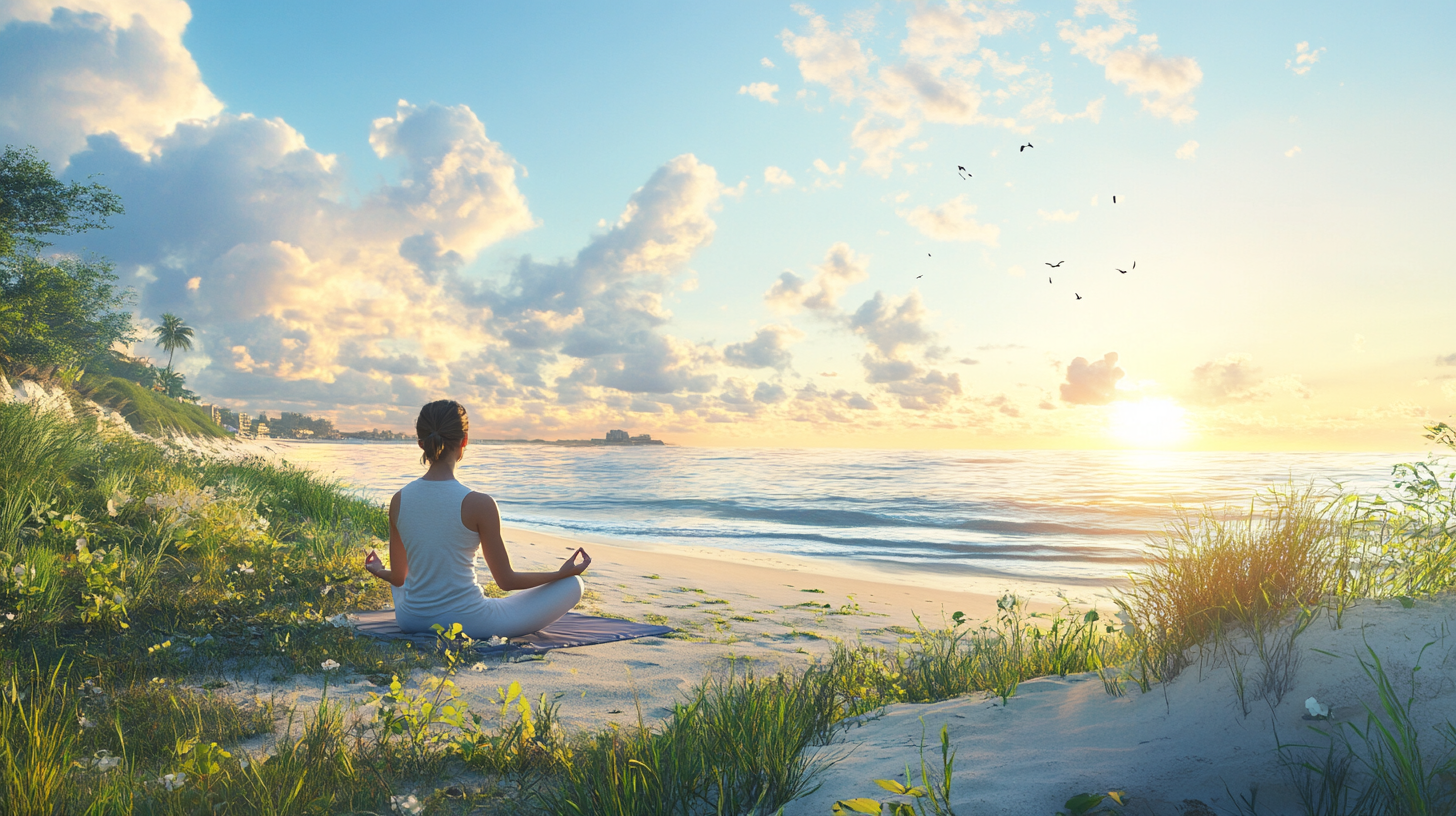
(748, 224)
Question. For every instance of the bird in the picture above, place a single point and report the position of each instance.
(918, 277)
(1049, 280)
(963, 171)
(1134, 264)
(1114, 199)
(1025, 146)
(1055, 265)
(1123, 271)
(1079, 297)
(928, 255)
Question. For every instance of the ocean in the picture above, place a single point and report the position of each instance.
(1050, 517)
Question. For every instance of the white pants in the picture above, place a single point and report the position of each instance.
(520, 613)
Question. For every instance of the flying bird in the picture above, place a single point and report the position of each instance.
(1049, 280)
(1025, 146)
(1079, 297)
(918, 277)
(1124, 271)
(962, 171)
(1055, 265)
(1114, 199)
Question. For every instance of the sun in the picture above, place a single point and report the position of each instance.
(1149, 423)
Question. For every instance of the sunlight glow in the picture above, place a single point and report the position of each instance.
(1149, 423)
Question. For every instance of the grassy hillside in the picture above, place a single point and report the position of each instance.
(148, 411)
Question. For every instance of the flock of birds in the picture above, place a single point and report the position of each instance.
(966, 175)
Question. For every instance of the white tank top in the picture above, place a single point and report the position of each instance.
(440, 551)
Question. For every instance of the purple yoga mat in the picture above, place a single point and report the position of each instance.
(572, 629)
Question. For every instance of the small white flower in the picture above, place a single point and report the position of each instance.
(105, 762)
(80, 543)
(478, 667)
(329, 665)
(173, 781)
(408, 805)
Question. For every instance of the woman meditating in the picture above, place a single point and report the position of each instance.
(436, 526)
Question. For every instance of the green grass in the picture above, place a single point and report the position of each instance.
(236, 566)
(146, 410)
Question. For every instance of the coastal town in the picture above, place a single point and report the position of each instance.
(293, 425)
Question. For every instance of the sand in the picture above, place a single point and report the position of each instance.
(1184, 743)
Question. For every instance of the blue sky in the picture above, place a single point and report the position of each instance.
(630, 228)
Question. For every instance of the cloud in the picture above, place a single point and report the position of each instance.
(842, 267)
(1166, 84)
(1189, 151)
(823, 167)
(777, 177)
(951, 221)
(889, 324)
(762, 91)
(1446, 360)
(1058, 215)
(1092, 383)
(767, 349)
(1292, 152)
(935, 79)
(1235, 378)
(1303, 59)
(94, 67)
(766, 62)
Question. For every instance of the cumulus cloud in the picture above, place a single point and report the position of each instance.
(951, 221)
(766, 62)
(1235, 378)
(842, 267)
(767, 349)
(1092, 383)
(935, 80)
(762, 91)
(1165, 84)
(1304, 58)
(1189, 151)
(97, 66)
(777, 177)
(1292, 152)
(1058, 215)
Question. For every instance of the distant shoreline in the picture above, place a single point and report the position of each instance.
(559, 443)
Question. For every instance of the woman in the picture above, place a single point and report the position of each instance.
(436, 525)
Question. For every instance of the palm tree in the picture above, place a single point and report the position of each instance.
(173, 334)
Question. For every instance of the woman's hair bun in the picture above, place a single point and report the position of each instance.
(441, 427)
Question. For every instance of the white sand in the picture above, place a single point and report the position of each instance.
(1056, 738)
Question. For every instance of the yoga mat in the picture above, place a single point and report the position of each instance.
(573, 629)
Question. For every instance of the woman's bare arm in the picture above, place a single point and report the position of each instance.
(398, 563)
(480, 515)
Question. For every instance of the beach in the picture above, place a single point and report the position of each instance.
(1180, 746)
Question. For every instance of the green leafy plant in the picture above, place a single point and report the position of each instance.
(930, 798)
(1091, 804)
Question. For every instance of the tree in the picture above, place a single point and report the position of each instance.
(56, 312)
(174, 385)
(64, 313)
(33, 202)
(173, 334)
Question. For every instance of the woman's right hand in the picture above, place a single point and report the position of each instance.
(571, 567)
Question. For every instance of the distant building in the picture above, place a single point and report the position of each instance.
(260, 429)
(245, 425)
(624, 438)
